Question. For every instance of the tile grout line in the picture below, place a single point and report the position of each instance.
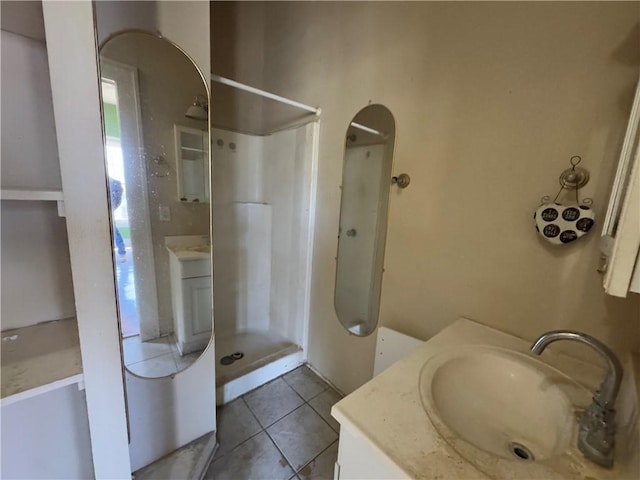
(216, 458)
(248, 438)
(251, 411)
(305, 365)
(150, 358)
(264, 428)
(275, 421)
(295, 472)
(330, 426)
(282, 453)
(286, 415)
(291, 386)
(316, 457)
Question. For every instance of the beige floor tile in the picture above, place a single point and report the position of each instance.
(322, 467)
(236, 424)
(136, 351)
(322, 404)
(272, 401)
(155, 367)
(305, 382)
(185, 361)
(301, 436)
(257, 458)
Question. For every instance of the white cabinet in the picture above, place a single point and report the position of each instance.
(359, 459)
(47, 436)
(197, 310)
(191, 295)
(192, 164)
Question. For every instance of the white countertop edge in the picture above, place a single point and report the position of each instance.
(39, 390)
(184, 255)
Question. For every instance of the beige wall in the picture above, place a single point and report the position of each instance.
(490, 101)
(237, 23)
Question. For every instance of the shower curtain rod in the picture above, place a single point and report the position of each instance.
(262, 93)
(278, 98)
(367, 129)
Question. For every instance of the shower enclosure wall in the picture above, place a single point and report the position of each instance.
(262, 207)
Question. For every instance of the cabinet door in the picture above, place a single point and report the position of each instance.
(192, 164)
(359, 459)
(197, 309)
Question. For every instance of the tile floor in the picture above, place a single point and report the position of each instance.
(280, 431)
(155, 358)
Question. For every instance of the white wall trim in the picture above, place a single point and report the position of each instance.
(72, 53)
(311, 235)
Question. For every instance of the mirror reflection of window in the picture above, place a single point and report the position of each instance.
(129, 321)
(366, 179)
(161, 244)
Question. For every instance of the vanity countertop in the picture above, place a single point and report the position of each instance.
(195, 252)
(388, 410)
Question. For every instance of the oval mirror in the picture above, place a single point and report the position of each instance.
(366, 179)
(155, 118)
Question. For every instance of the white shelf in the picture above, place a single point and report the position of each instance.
(34, 194)
(40, 358)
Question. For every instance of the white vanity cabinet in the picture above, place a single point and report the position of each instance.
(191, 294)
(192, 164)
(359, 459)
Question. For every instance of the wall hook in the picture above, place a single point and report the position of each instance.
(403, 180)
(574, 177)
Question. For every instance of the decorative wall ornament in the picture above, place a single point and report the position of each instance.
(561, 224)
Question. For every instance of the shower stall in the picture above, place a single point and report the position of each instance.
(263, 182)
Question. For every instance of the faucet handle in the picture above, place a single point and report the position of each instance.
(596, 436)
(597, 425)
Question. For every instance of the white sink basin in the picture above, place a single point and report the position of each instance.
(499, 401)
(500, 406)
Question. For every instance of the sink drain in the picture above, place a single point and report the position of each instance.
(520, 451)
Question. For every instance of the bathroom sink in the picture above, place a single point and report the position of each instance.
(488, 400)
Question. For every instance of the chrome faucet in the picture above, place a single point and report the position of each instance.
(597, 424)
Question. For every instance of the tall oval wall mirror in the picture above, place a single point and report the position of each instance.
(366, 180)
(156, 130)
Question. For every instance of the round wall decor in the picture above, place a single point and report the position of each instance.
(560, 224)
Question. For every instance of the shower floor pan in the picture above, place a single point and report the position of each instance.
(259, 350)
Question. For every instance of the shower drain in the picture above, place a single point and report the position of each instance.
(229, 359)
(520, 451)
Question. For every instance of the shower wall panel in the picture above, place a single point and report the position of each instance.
(239, 226)
(261, 192)
(242, 273)
(237, 168)
(288, 160)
